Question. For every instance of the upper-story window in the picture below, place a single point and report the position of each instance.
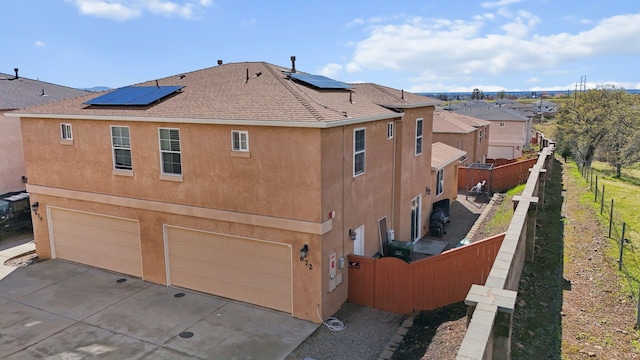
(121, 145)
(419, 136)
(65, 132)
(502, 124)
(358, 151)
(389, 130)
(480, 137)
(486, 132)
(170, 151)
(239, 140)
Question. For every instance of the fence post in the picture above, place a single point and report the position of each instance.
(590, 179)
(624, 225)
(595, 198)
(611, 219)
(638, 318)
(602, 201)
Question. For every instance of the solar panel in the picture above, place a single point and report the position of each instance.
(134, 95)
(319, 81)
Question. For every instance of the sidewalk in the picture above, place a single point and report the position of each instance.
(13, 246)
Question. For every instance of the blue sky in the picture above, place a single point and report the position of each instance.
(419, 46)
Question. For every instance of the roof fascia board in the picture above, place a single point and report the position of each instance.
(274, 123)
(411, 106)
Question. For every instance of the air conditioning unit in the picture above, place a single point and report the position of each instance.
(391, 234)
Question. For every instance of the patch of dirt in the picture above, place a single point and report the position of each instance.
(570, 304)
(23, 260)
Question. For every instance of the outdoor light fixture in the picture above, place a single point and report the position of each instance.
(24, 179)
(34, 207)
(304, 251)
(428, 190)
(352, 234)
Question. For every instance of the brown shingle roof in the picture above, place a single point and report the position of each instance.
(443, 155)
(225, 92)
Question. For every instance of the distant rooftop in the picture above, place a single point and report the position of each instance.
(20, 92)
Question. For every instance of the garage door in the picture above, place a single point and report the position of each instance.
(500, 152)
(253, 271)
(102, 241)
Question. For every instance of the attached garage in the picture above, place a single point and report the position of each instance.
(105, 242)
(249, 270)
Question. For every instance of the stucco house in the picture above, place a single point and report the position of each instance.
(509, 133)
(445, 161)
(462, 132)
(250, 181)
(18, 92)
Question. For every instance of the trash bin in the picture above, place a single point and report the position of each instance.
(401, 249)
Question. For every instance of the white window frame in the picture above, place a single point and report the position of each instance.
(480, 136)
(65, 132)
(242, 144)
(419, 136)
(361, 152)
(169, 151)
(439, 182)
(390, 130)
(123, 145)
(486, 133)
(502, 124)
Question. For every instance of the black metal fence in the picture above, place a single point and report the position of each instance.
(619, 230)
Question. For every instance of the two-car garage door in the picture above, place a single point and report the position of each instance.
(253, 271)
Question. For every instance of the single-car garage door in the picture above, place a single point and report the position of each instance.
(102, 241)
(253, 271)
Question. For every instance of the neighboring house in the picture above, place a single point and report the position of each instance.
(462, 132)
(545, 107)
(445, 160)
(248, 180)
(509, 133)
(16, 93)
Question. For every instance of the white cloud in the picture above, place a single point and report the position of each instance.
(330, 70)
(39, 43)
(499, 3)
(533, 80)
(123, 10)
(440, 50)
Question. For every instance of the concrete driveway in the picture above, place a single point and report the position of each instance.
(59, 310)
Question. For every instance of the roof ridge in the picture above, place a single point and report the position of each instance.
(384, 90)
(298, 97)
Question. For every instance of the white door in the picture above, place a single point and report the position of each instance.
(358, 244)
(415, 218)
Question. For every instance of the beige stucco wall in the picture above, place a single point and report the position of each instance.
(12, 166)
(450, 190)
(513, 135)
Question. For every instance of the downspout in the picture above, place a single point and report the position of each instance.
(393, 179)
(344, 213)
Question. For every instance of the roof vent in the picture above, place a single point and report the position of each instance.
(293, 64)
(16, 70)
(219, 62)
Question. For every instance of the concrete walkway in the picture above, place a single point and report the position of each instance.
(12, 245)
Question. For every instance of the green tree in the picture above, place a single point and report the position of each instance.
(620, 146)
(501, 94)
(587, 121)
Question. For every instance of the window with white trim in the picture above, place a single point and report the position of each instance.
(65, 132)
(121, 145)
(486, 132)
(480, 137)
(439, 182)
(170, 151)
(239, 140)
(389, 130)
(419, 123)
(358, 151)
(502, 124)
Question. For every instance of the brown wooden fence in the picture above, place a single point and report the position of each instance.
(499, 178)
(390, 284)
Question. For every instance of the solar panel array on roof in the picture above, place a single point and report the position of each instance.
(134, 95)
(319, 81)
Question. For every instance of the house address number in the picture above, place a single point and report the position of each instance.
(307, 263)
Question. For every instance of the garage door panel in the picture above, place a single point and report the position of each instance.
(233, 274)
(199, 282)
(249, 270)
(230, 258)
(97, 240)
(102, 235)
